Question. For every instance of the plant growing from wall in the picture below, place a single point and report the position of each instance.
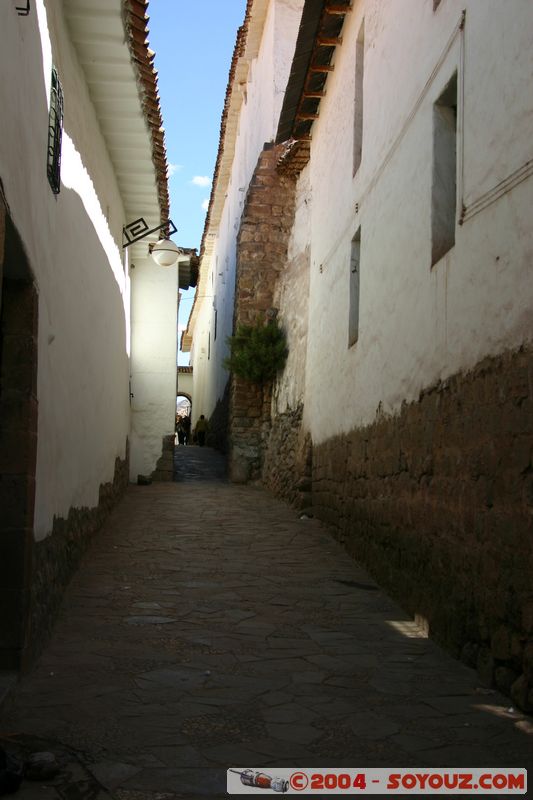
(257, 352)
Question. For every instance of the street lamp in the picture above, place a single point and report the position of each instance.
(164, 252)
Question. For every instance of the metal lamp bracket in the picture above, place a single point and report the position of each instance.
(138, 230)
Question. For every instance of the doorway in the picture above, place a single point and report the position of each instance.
(18, 443)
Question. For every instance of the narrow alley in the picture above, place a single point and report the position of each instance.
(210, 627)
(296, 236)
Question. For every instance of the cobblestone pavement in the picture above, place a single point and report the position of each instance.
(193, 463)
(210, 627)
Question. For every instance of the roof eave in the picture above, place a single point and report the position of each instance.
(111, 40)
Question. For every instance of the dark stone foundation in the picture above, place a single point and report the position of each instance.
(287, 460)
(437, 503)
(56, 558)
(164, 469)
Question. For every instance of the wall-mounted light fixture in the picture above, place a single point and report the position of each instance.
(164, 252)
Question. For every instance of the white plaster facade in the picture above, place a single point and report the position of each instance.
(258, 86)
(185, 383)
(418, 323)
(154, 345)
(154, 311)
(73, 240)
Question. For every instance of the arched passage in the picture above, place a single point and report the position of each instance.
(183, 419)
(183, 405)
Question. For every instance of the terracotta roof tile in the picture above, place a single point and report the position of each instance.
(136, 26)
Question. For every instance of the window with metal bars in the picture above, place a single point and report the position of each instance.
(55, 133)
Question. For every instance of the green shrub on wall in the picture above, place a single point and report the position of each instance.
(257, 352)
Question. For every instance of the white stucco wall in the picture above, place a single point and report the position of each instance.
(264, 91)
(73, 246)
(185, 384)
(418, 324)
(154, 314)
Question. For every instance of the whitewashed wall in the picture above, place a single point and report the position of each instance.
(258, 122)
(73, 246)
(418, 324)
(154, 313)
(185, 384)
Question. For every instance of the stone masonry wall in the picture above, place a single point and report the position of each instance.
(249, 426)
(438, 503)
(288, 460)
(56, 558)
(164, 469)
(261, 256)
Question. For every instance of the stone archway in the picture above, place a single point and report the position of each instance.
(186, 397)
(18, 443)
(183, 410)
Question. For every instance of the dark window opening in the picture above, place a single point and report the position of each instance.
(444, 178)
(358, 100)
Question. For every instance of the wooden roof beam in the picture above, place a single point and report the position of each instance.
(337, 9)
(329, 41)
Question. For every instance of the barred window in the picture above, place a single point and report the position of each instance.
(55, 132)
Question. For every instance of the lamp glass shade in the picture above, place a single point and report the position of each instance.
(165, 253)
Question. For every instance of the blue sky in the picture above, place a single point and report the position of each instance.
(194, 44)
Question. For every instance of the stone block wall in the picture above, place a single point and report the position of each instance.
(287, 460)
(261, 256)
(56, 558)
(438, 503)
(249, 426)
(164, 469)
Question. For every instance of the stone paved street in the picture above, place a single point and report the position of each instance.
(210, 627)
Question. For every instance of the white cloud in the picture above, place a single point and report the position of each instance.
(173, 168)
(205, 204)
(201, 180)
(181, 328)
